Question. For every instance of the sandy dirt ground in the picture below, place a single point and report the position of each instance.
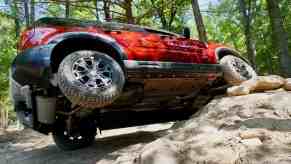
(29, 147)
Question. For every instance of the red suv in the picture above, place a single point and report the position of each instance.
(72, 77)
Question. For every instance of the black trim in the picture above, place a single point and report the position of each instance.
(152, 69)
(97, 37)
(226, 50)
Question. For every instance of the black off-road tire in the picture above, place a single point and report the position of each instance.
(78, 92)
(62, 139)
(236, 70)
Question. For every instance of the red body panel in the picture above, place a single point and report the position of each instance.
(137, 45)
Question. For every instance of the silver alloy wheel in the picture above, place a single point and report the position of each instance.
(241, 67)
(93, 72)
(236, 70)
(90, 79)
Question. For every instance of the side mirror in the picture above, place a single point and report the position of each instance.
(186, 32)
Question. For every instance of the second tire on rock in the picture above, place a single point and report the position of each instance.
(236, 70)
(90, 79)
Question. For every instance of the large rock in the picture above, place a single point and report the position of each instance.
(269, 82)
(287, 85)
(160, 151)
(230, 130)
(238, 91)
(261, 83)
(244, 88)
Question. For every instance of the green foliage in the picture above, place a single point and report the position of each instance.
(55, 10)
(224, 26)
(7, 52)
(83, 10)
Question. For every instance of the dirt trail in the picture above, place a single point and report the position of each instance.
(29, 147)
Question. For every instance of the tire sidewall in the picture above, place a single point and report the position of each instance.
(86, 94)
(229, 72)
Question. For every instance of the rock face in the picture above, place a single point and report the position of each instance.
(261, 83)
(254, 128)
(269, 82)
(287, 85)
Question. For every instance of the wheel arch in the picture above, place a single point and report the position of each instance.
(70, 42)
(220, 52)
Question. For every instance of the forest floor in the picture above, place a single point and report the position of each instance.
(29, 147)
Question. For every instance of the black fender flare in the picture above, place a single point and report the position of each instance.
(234, 52)
(100, 38)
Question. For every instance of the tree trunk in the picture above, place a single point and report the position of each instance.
(161, 14)
(3, 118)
(97, 10)
(67, 5)
(270, 64)
(32, 11)
(15, 14)
(26, 13)
(128, 11)
(199, 21)
(246, 19)
(106, 9)
(172, 16)
(280, 36)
